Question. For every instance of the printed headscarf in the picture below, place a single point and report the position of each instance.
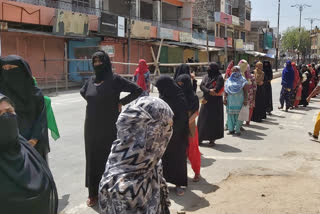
(235, 82)
(133, 180)
(141, 70)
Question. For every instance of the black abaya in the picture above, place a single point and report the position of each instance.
(100, 125)
(305, 89)
(259, 112)
(268, 74)
(211, 117)
(175, 158)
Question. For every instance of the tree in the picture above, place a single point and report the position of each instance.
(291, 39)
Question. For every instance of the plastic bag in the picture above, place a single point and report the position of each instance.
(244, 113)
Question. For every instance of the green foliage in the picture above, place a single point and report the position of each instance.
(291, 37)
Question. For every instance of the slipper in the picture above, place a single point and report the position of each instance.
(91, 202)
(196, 178)
(179, 191)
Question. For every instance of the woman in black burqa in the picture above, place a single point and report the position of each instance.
(211, 118)
(102, 93)
(16, 82)
(268, 76)
(185, 69)
(175, 158)
(27, 185)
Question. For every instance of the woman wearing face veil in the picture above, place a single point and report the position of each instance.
(27, 185)
(17, 83)
(210, 122)
(175, 158)
(102, 93)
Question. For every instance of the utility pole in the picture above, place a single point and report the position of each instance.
(129, 34)
(226, 43)
(278, 38)
(300, 7)
(311, 22)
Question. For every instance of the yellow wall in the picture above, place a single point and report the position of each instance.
(188, 53)
(203, 56)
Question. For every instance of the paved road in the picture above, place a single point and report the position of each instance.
(279, 145)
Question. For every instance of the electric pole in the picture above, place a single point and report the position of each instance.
(300, 7)
(278, 38)
(129, 34)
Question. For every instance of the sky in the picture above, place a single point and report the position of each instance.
(289, 16)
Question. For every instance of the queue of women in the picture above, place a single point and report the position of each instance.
(137, 144)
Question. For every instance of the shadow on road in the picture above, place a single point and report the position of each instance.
(270, 123)
(226, 148)
(192, 202)
(257, 127)
(206, 162)
(274, 115)
(63, 202)
(252, 135)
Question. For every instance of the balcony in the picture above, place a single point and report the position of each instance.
(224, 18)
(235, 21)
(86, 7)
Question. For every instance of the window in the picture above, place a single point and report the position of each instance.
(236, 34)
(228, 7)
(243, 36)
(81, 3)
(222, 31)
(248, 15)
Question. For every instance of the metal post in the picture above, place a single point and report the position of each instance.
(300, 7)
(65, 61)
(278, 38)
(129, 35)
(226, 45)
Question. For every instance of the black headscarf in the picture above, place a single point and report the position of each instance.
(267, 69)
(173, 95)
(103, 72)
(190, 95)
(213, 71)
(27, 184)
(182, 69)
(19, 86)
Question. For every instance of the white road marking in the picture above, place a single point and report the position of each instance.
(240, 158)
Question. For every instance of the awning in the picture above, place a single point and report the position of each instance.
(256, 53)
(44, 33)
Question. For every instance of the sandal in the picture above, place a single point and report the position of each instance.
(196, 178)
(91, 202)
(179, 191)
(212, 143)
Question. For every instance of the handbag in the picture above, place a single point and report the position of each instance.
(244, 113)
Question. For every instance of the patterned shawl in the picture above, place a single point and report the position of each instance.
(235, 82)
(133, 181)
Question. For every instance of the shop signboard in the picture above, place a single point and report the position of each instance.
(140, 29)
(71, 23)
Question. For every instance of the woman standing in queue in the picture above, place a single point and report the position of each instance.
(175, 158)
(235, 97)
(194, 155)
(259, 112)
(268, 76)
(210, 122)
(17, 83)
(102, 93)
